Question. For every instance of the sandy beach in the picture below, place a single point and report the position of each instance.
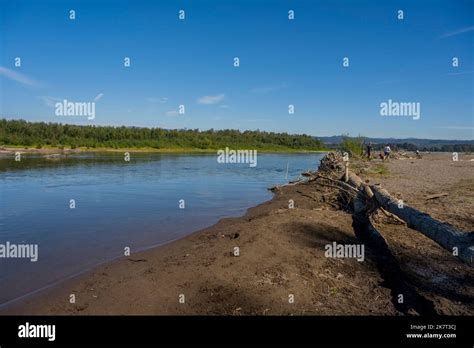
(281, 268)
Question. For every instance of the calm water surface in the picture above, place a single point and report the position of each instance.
(119, 204)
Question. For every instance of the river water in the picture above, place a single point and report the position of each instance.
(85, 209)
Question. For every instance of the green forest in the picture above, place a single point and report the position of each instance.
(41, 134)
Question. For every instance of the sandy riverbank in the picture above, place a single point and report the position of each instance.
(281, 256)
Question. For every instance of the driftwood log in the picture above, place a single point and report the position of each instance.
(367, 198)
(459, 243)
(372, 197)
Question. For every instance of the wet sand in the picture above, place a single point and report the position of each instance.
(281, 268)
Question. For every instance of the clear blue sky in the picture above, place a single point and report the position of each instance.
(283, 62)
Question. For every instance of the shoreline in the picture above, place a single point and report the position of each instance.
(10, 150)
(82, 275)
(77, 275)
(281, 253)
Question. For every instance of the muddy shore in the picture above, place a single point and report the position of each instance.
(281, 267)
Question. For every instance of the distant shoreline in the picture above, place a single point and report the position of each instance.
(39, 135)
(52, 150)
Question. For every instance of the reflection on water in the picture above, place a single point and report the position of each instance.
(119, 204)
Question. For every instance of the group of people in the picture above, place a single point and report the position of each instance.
(384, 156)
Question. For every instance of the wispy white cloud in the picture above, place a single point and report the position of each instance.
(172, 113)
(50, 101)
(211, 99)
(18, 77)
(224, 106)
(268, 89)
(161, 100)
(457, 32)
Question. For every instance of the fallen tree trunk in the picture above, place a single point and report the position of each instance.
(460, 243)
(354, 180)
(368, 198)
(359, 184)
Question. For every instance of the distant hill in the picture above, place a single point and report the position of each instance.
(336, 139)
(411, 144)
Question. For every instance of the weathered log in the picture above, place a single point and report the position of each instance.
(390, 215)
(444, 234)
(436, 195)
(354, 180)
(359, 184)
(459, 243)
(368, 190)
(337, 182)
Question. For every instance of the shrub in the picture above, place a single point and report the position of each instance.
(353, 146)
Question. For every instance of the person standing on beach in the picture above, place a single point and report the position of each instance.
(369, 151)
(386, 152)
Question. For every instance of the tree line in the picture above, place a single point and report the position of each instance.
(39, 134)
